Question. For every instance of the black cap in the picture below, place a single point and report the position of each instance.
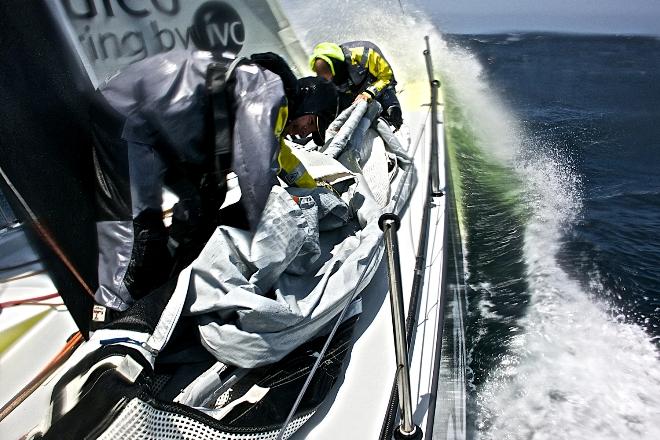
(316, 96)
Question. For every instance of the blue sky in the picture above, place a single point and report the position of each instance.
(585, 16)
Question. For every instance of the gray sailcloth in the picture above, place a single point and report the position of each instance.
(252, 308)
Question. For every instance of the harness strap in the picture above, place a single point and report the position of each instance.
(356, 72)
(219, 123)
(365, 57)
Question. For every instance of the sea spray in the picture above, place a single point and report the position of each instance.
(563, 368)
(484, 146)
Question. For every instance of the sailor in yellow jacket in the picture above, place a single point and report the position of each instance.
(360, 71)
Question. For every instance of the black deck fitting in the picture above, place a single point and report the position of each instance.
(415, 435)
(389, 216)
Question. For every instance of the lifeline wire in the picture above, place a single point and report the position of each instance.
(327, 344)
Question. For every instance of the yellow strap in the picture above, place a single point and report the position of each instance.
(280, 122)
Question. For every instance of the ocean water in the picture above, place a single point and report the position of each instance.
(556, 141)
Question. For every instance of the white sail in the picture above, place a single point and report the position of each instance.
(109, 35)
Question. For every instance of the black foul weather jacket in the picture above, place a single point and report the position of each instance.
(153, 128)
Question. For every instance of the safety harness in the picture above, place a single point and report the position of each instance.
(357, 73)
(219, 124)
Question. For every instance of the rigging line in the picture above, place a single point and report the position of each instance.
(32, 300)
(340, 318)
(71, 344)
(44, 304)
(43, 232)
(415, 146)
(412, 154)
(435, 254)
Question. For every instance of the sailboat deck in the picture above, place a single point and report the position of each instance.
(358, 403)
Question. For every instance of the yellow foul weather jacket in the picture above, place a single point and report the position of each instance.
(367, 60)
(366, 66)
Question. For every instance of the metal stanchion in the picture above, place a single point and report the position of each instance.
(435, 85)
(389, 223)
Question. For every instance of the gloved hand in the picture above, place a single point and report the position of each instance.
(364, 96)
(277, 65)
(394, 117)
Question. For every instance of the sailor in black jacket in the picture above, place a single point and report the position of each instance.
(158, 123)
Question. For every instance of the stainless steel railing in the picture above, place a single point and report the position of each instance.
(435, 85)
(390, 223)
